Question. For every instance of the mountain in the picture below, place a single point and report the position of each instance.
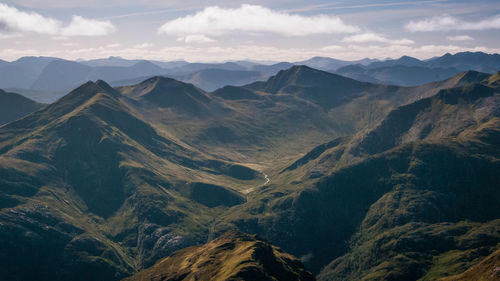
(212, 79)
(397, 75)
(84, 188)
(232, 256)
(358, 180)
(479, 61)
(14, 106)
(193, 67)
(411, 198)
(403, 61)
(271, 69)
(121, 62)
(408, 71)
(22, 72)
(110, 61)
(325, 63)
(63, 75)
(169, 93)
(486, 270)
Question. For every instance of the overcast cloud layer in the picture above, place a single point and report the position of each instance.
(280, 30)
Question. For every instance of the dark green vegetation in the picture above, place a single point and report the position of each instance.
(232, 256)
(366, 180)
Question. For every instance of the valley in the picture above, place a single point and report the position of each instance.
(357, 180)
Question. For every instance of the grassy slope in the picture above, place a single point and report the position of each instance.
(233, 256)
(88, 183)
(328, 195)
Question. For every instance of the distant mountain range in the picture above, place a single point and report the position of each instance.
(408, 71)
(46, 79)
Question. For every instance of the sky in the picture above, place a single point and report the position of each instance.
(216, 31)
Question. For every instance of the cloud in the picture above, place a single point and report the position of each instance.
(14, 20)
(10, 35)
(195, 38)
(263, 52)
(460, 38)
(372, 37)
(447, 22)
(215, 21)
(144, 46)
(80, 26)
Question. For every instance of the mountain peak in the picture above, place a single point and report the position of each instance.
(304, 76)
(232, 256)
(168, 92)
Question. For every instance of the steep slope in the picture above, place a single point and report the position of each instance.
(232, 256)
(438, 188)
(14, 106)
(487, 270)
(88, 188)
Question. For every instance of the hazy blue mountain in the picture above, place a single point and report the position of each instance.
(479, 61)
(404, 61)
(23, 72)
(408, 71)
(397, 74)
(111, 61)
(325, 63)
(212, 79)
(271, 69)
(63, 75)
(207, 79)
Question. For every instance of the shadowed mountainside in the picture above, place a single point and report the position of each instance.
(14, 106)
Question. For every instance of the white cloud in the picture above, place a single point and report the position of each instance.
(196, 39)
(215, 21)
(14, 20)
(447, 22)
(114, 45)
(372, 37)
(11, 19)
(459, 38)
(80, 26)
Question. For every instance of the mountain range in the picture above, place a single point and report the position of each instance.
(46, 79)
(357, 180)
